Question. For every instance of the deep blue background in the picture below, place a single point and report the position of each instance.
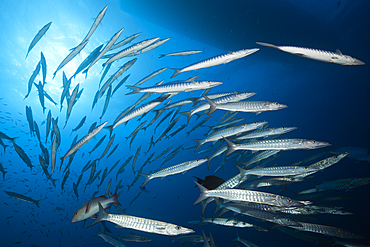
(326, 102)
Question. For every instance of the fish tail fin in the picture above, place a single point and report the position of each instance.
(134, 90)
(5, 147)
(230, 147)
(242, 171)
(237, 237)
(199, 144)
(177, 71)
(202, 220)
(115, 198)
(98, 233)
(101, 216)
(213, 106)
(187, 114)
(218, 206)
(147, 178)
(267, 45)
(4, 174)
(202, 196)
(110, 128)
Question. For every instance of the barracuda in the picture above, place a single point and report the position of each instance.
(319, 55)
(172, 170)
(141, 224)
(213, 61)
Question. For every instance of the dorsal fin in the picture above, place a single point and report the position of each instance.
(337, 51)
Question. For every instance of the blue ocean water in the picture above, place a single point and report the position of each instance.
(327, 102)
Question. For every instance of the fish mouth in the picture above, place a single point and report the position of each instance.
(359, 62)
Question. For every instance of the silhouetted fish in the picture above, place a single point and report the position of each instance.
(210, 182)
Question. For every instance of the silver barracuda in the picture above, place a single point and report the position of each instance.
(152, 75)
(235, 130)
(175, 87)
(245, 106)
(38, 36)
(70, 56)
(151, 47)
(23, 197)
(277, 171)
(109, 239)
(32, 78)
(105, 49)
(71, 102)
(319, 55)
(88, 60)
(129, 50)
(83, 141)
(176, 169)
(248, 196)
(230, 222)
(96, 23)
(180, 53)
(265, 132)
(213, 61)
(141, 224)
(234, 97)
(125, 41)
(260, 156)
(326, 230)
(276, 144)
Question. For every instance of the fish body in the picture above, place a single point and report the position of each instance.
(125, 41)
(319, 55)
(135, 238)
(277, 171)
(88, 60)
(70, 56)
(260, 156)
(91, 207)
(175, 87)
(40, 89)
(32, 78)
(140, 110)
(152, 75)
(247, 196)
(176, 169)
(71, 102)
(120, 84)
(180, 53)
(129, 50)
(83, 141)
(141, 224)
(44, 68)
(266, 132)
(343, 184)
(96, 23)
(111, 140)
(276, 144)
(109, 239)
(30, 119)
(65, 91)
(23, 197)
(107, 99)
(23, 155)
(105, 49)
(213, 61)
(234, 130)
(38, 36)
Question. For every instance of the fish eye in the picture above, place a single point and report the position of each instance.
(288, 220)
(177, 227)
(306, 168)
(76, 213)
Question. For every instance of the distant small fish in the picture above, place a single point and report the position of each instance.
(23, 197)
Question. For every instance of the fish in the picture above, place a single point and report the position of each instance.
(172, 170)
(105, 49)
(23, 198)
(248, 196)
(74, 52)
(30, 119)
(111, 140)
(45, 169)
(3, 144)
(141, 224)
(135, 158)
(97, 144)
(210, 182)
(71, 102)
(217, 60)
(120, 84)
(243, 241)
(44, 68)
(107, 99)
(121, 169)
(109, 239)
(180, 53)
(113, 149)
(245, 106)
(64, 179)
(230, 222)
(138, 111)
(103, 177)
(38, 36)
(125, 41)
(150, 76)
(40, 89)
(324, 56)
(96, 23)
(86, 62)
(65, 92)
(23, 155)
(32, 78)
(175, 87)
(91, 207)
(79, 125)
(234, 130)
(54, 148)
(265, 133)
(50, 98)
(129, 50)
(276, 144)
(151, 47)
(83, 141)
(56, 131)
(135, 238)
(3, 170)
(4, 136)
(37, 131)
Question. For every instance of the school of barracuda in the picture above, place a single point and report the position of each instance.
(239, 194)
